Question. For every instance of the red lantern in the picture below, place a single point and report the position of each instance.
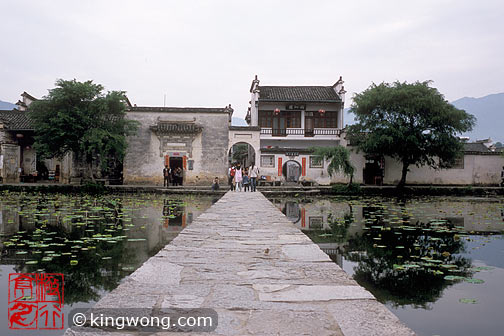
(276, 111)
(322, 112)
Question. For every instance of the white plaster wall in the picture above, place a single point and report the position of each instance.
(270, 106)
(478, 170)
(318, 175)
(144, 161)
(29, 163)
(247, 136)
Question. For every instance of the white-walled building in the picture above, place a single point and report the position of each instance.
(292, 119)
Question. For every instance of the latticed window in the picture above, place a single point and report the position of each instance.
(268, 161)
(289, 119)
(265, 119)
(328, 120)
(316, 162)
(458, 164)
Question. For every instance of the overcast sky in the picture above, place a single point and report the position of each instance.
(205, 53)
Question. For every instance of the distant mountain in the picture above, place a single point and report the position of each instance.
(236, 121)
(6, 105)
(488, 110)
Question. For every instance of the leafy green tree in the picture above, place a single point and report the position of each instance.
(339, 160)
(77, 117)
(411, 123)
(240, 153)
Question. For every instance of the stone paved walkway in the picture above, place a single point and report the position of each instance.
(263, 276)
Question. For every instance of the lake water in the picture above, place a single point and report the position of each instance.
(94, 241)
(437, 262)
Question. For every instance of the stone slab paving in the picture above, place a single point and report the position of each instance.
(263, 276)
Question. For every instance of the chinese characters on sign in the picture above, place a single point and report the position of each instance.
(35, 301)
(295, 107)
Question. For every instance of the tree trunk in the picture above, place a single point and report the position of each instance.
(402, 183)
(351, 180)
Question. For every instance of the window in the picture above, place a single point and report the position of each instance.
(458, 164)
(268, 161)
(266, 119)
(328, 120)
(316, 222)
(291, 119)
(316, 162)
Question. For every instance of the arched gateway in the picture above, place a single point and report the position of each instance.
(244, 145)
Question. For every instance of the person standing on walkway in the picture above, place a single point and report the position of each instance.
(231, 174)
(502, 177)
(246, 181)
(166, 176)
(173, 176)
(238, 177)
(254, 174)
(180, 176)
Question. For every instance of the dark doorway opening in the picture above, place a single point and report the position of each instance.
(175, 163)
(373, 170)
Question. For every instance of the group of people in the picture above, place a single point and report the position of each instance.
(242, 178)
(172, 176)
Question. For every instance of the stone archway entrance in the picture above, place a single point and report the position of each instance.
(291, 171)
(243, 153)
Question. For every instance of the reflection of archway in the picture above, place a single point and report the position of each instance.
(292, 211)
(291, 171)
(243, 153)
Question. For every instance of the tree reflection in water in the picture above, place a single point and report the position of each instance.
(400, 265)
(95, 241)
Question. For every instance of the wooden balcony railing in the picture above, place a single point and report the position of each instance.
(297, 131)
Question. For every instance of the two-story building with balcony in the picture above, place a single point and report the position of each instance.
(292, 119)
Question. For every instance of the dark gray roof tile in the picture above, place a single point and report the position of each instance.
(298, 93)
(180, 109)
(15, 120)
(475, 147)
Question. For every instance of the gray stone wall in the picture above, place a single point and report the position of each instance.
(11, 155)
(144, 160)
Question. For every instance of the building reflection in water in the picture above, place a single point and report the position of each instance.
(372, 238)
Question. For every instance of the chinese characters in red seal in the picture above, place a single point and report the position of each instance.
(36, 300)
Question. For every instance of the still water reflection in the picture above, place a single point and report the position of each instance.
(94, 241)
(437, 263)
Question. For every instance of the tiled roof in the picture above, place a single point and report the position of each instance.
(180, 109)
(180, 128)
(15, 120)
(298, 94)
(476, 147)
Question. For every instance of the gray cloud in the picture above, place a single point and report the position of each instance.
(205, 53)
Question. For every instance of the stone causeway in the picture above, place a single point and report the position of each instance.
(262, 275)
